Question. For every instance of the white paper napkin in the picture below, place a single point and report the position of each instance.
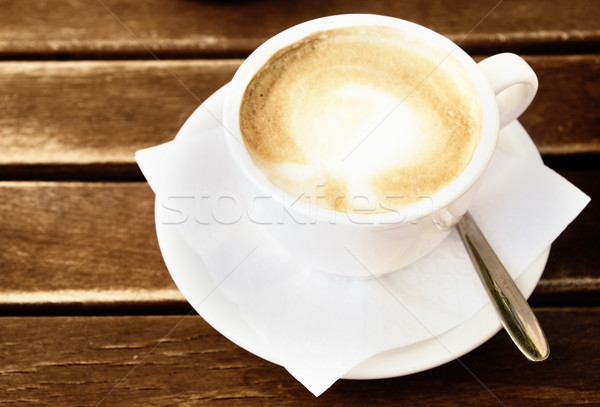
(317, 325)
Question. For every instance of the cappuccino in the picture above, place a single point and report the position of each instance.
(361, 119)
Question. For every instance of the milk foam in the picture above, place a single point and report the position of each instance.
(358, 119)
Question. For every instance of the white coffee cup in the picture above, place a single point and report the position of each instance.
(358, 244)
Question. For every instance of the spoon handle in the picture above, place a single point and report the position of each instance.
(515, 314)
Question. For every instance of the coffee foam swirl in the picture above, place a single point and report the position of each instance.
(360, 119)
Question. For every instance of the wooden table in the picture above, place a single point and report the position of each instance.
(89, 313)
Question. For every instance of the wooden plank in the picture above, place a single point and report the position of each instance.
(75, 243)
(154, 360)
(180, 28)
(101, 112)
(98, 112)
(567, 103)
(91, 247)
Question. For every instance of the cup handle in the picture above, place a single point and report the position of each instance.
(513, 81)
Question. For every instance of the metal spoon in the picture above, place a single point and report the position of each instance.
(515, 314)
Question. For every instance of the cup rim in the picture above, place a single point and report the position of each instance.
(441, 199)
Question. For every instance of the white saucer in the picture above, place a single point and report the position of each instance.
(197, 287)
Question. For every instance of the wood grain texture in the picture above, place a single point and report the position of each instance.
(563, 118)
(78, 236)
(101, 112)
(171, 360)
(188, 28)
(66, 244)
